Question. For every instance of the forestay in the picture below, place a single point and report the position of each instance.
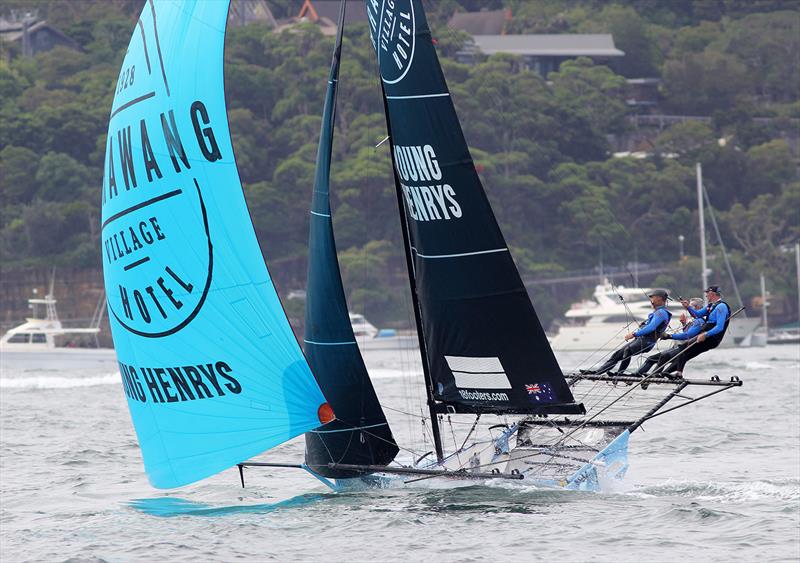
(360, 434)
(486, 349)
(212, 372)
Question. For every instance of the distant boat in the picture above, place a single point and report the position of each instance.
(43, 342)
(362, 328)
(602, 322)
(784, 336)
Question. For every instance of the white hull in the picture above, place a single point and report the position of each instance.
(388, 343)
(609, 336)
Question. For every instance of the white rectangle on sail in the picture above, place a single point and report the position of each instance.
(478, 373)
(481, 380)
(475, 365)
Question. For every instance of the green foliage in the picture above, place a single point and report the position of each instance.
(542, 148)
(17, 169)
(704, 82)
(631, 35)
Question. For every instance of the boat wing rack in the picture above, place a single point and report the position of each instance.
(630, 385)
(715, 381)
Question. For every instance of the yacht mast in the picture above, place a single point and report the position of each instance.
(764, 304)
(701, 213)
(797, 265)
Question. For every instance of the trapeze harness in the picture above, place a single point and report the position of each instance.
(709, 343)
(714, 340)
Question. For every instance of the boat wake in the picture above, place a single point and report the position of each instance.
(728, 491)
(56, 382)
(167, 507)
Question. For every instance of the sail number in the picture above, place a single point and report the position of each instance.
(126, 78)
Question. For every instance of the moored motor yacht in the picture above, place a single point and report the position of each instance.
(615, 310)
(42, 342)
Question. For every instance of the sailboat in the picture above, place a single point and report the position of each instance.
(211, 370)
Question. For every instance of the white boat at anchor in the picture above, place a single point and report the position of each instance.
(42, 342)
(601, 323)
(362, 328)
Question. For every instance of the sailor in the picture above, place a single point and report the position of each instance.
(716, 316)
(691, 328)
(643, 339)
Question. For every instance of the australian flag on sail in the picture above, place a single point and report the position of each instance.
(539, 391)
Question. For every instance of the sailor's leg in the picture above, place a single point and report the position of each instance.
(611, 362)
(668, 356)
(648, 363)
(638, 346)
(692, 352)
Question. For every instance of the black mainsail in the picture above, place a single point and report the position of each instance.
(360, 434)
(485, 348)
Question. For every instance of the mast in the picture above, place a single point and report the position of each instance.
(724, 251)
(701, 213)
(797, 265)
(764, 304)
(437, 436)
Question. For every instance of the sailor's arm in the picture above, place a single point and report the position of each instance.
(696, 313)
(658, 317)
(690, 332)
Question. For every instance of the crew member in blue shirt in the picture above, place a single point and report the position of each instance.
(691, 328)
(716, 316)
(643, 339)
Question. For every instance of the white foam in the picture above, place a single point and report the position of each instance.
(55, 382)
(752, 366)
(733, 492)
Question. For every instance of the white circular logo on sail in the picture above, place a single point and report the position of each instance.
(392, 26)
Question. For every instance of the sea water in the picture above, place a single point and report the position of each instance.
(718, 480)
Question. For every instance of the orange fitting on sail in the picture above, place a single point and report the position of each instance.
(325, 413)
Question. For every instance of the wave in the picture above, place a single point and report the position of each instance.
(728, 491)
(756, 366)
(55, 382)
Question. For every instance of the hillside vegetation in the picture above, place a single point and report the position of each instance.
(542, 148)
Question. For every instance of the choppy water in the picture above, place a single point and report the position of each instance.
(716, 481)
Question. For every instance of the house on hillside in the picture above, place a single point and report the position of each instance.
(542, 53)
(29, 36)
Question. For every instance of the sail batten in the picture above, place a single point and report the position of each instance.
(472, 302)
(211, 370)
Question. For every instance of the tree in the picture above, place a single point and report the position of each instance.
(18, 170)
(704, 82)
(592, 91)
(61, 178)
(769, 167)
(632, 35)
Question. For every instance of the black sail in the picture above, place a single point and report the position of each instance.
(360, 434)
(486, 349)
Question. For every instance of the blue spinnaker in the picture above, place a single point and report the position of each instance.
(212, 372)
